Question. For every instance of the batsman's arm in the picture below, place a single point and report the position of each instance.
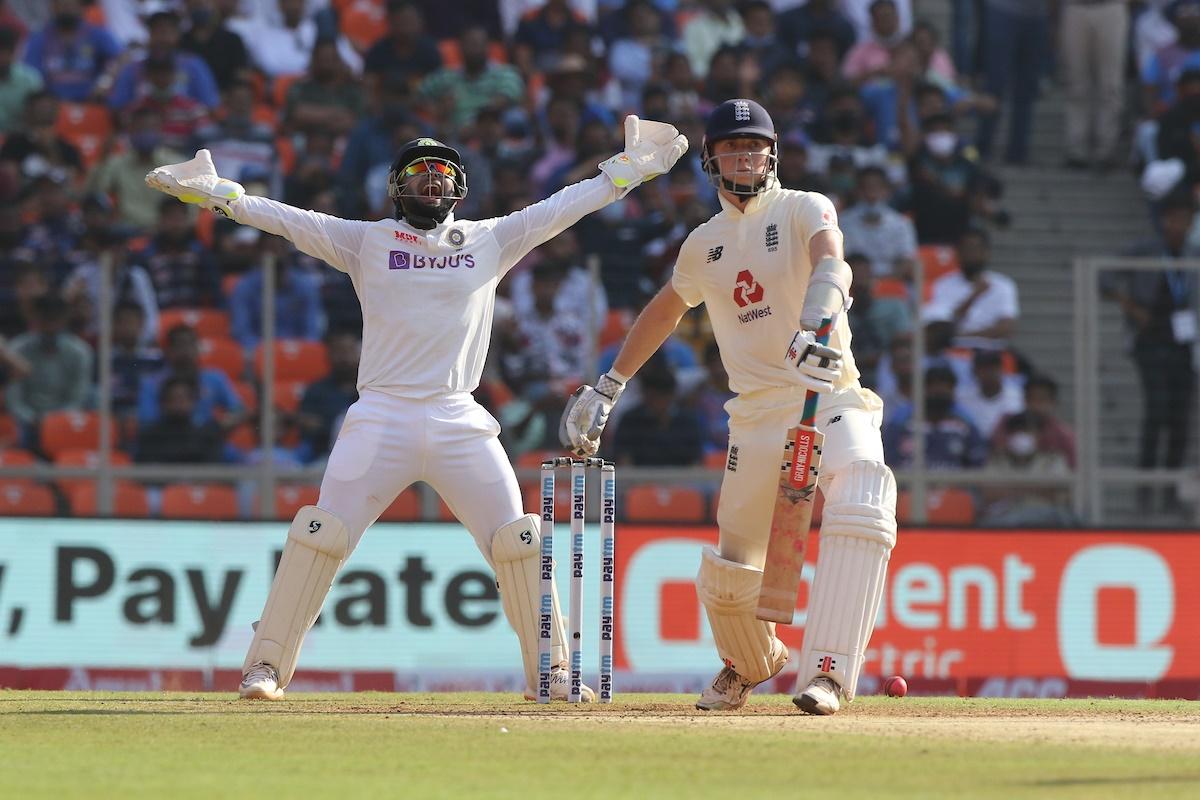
(652, 327)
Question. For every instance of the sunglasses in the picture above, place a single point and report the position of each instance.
(418, 167)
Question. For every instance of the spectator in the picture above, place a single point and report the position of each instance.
(123, 175)
(708, 401)
(181, 268)
(554, 340)
(326, 400)
(794, 172)
(17, 82)
(715, 24)
(280, 46)
(787, 99)
(861, 15)
(875, 229)
(1016, 447)
(640, 54)
(981, 303)
(1169, 63)
(1160, 313)
(405, 55)
(328, 99)
(215, 390)
(871, 58)
(12, 20)
(951, 439)
(13, 366)
(371, 146)
(935, 63)
(297, 305)
(53, 236)
(71, 54)
(562, 119)
(209, 37)
(130, 283)
(238, 142)
(578, 296)
(60, 378)
(1016, 36)
(1041, 410)
(191, 77)
(1093, 30)
(541, 34)
(458, 94)
(36, 148)
(845, 145)
(659, 431)
(874, 321)
(799, 24)
(945, 179)
(28, 283)
(161, 89)
(991, 395)
(176, 437)
(761, 40)
(1175, 138)
(132, 358)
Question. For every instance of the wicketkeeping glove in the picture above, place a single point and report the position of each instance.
(197, 182)
(586, 413)
(819, 366)
(651, 148)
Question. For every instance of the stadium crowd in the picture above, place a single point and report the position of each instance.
(308, 100)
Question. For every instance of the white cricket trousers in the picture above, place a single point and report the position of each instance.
(388, 443)
(758, 423)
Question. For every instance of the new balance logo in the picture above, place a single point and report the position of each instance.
(714, 254)
(772, 238)
(838, 418)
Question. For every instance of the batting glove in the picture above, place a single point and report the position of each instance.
(651, 148)
(818, 366)
(586, 414)
(197, 182)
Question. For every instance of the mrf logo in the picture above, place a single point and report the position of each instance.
(747, 290)
(406, 237)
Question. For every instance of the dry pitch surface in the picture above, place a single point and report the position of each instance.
(57, 744)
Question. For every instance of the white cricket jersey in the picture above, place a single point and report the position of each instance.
(427, 296)
(751, 270)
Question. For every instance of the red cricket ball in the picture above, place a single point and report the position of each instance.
(895, 686)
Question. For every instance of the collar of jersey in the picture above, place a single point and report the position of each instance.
(449, 220)
(756, 204)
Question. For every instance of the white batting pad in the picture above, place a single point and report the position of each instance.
(729, 592)
(317, 544)
(516, 554)
(858, 532)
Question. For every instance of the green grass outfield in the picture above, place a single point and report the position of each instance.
(173, 746)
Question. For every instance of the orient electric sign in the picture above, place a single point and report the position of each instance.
(154, 595)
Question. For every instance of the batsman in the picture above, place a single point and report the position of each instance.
(427, 285)
(770, 262)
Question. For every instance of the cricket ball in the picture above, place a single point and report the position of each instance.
(895, 686)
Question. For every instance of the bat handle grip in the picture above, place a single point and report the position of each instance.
(810, 398)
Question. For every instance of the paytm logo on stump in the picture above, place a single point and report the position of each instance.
(402, 259)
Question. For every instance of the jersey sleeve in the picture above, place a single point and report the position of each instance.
(331, 239)
(682, 280)
(521, 231)
(815, 213)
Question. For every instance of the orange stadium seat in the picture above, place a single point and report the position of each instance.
(616, 324)
(15, 457)
(405, 508)
(288, 395)
(716, 459)
(72, 430)
(534, 458)
(223, 354)
(10, 434)
(295, 360)
(88, 126)
(85, 458)
(949, 506)
(23, 499)
(664, 504)
(562, 498)
(199, 501)
(937, 260)
(229, 282)
(244, 437)
(291, 498)
(452, 53)
(363, 22)
(207, 322)
(281, 86)
(129, 500)
(890, 287)
(248, 395)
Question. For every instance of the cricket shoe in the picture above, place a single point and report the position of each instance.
(261, 682)
(560, 687)
(729, 691)
(821, 697)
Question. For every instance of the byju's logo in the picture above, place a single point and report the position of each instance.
(747, 290)
(399, 259)
(402, 259)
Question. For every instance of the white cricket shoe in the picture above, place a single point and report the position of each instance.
(821, 697)
(560, 687)
(728, 692)
(261, 683)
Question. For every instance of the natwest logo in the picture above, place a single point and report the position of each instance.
(747, 290)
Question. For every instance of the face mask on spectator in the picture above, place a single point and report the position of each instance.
(938, 405)
(1022, 444)
(67, 22)
(941, 143)
(201, 17)
(145, 141)
(845, 121)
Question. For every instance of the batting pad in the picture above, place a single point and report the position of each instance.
(858, 532)
(729, 592)
(317, 544)
(516, 554)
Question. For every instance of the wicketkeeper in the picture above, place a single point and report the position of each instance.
(770, 261)
(427, 285)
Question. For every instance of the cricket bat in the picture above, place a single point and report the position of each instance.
(793, 510)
